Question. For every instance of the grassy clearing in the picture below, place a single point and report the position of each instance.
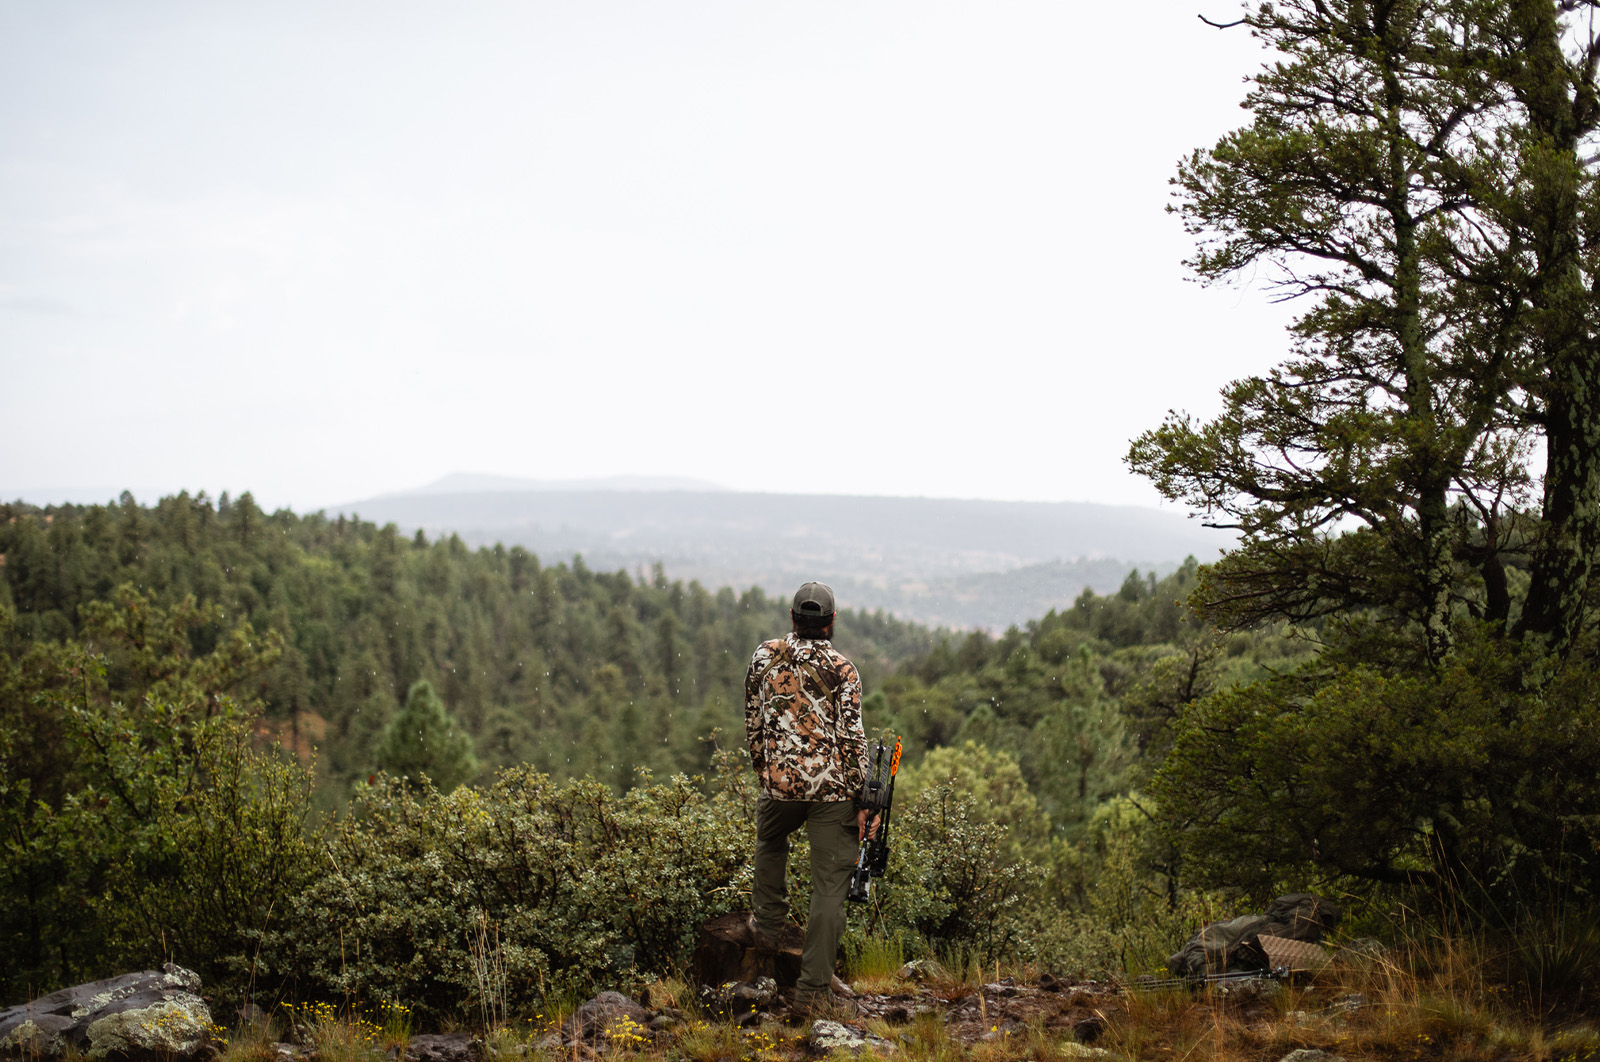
(1440, 1002)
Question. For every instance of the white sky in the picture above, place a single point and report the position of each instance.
(322, 250)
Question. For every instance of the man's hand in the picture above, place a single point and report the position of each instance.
(862, 830)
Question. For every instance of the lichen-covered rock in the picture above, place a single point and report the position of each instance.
(830, 1036)
(151, 1016)
(444, 1047)
(738, 999)
(921, 970)
(608, 1016)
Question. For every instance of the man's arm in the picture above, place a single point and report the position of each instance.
(852, 735)
(752, 707)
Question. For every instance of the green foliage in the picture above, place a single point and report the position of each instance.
(1074, 698)
(1458, 777)
(950, 882)
(993, 783)
(215, 870)
(582, 887)
(1132, 916)
(424, 741)
(148, 812)
(158, 832)
(1414, 173)
(577, 671)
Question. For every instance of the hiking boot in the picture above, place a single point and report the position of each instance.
(826, 1005)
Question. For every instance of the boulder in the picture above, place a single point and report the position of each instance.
(1234, 945)
(830, 1036)
(151, 1016)
(736, 999)
(444, 1047)
(727, 952)
(921, 970)
(610, 1016)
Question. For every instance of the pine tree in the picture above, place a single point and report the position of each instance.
(424, 739)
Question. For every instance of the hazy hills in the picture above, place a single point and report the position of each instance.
(960, 563)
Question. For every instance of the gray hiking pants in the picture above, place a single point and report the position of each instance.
(831, 828)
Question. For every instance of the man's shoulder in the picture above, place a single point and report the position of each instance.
(834, 654)
(836, 659)
(767, 649)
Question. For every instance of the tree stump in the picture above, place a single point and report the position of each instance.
(727, 952)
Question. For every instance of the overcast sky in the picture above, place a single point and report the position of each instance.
(325, 250)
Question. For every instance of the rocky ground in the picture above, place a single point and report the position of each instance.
(919, 1014)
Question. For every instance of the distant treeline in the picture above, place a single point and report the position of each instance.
(585, 673)
(576, 671)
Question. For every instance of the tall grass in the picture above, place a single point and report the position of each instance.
(1434, 995)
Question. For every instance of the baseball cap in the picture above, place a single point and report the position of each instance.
(814, 599)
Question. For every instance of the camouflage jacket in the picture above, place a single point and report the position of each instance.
(802, 718)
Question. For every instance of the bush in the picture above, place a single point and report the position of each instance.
(1457, 780)
(137, 823)
(951, 882)
(580, 887)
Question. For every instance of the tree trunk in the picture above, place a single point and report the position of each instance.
(1560, 112)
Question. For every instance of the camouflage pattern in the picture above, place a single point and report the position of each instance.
(802, 718)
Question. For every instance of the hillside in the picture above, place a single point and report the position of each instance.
(935, 561)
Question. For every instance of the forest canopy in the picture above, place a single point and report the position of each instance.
(174, 668)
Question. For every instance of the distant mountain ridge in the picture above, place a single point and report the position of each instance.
(477, 482)
(958, 563)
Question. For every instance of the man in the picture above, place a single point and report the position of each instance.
(802, 718)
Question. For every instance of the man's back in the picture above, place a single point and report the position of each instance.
(803, 720)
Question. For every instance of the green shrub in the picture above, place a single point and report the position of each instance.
(951, 881)
(581, 887)
(137, 822)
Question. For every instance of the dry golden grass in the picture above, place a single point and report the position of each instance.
(1438, 1002)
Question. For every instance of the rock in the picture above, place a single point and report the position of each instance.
(1001, 989)
(1073, 1050)
(1248, 990)
(1088, 1030)
(445, 1047)
(608, 1016)
(1008, 1027)
(727, 952)
(921, 970)
(830, 1036)
(1347, 1004)
(738, 998)
(1311, 1054)
(151, 1016)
